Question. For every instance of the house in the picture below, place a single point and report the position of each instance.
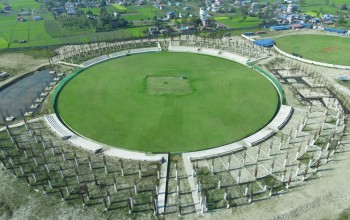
(316, 21)
(70, 8)
(7, 8)
(203, 15)
(161, 6)
(4, 75)
(330, 22)
(280, 28)
(291, 1)
(57, 11)
(254, 8)
(335, 30)
(21, 19)
(24, 13)
(170, 15)
(297, 26)
(36, 18)
(292, 8)
(290, 19)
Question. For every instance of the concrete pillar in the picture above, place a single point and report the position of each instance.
(289, 181)
(298, 168)
(229, 162)
(283, 175)
(61, 193)
(286, 160)
(135, 187)
(239, 176)
(243, 160)
(250, 200)
(305, 173)
(270, 149)
(328, 155)
(272, 166)
(257, 155)
(61, 172)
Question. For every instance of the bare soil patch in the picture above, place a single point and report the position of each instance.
(330, 49)
(17, 62)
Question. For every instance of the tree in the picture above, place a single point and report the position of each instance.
(103, 3)
(89, 13)
(302, 2)
(326, 2)
(344, 7)
(244, 12)
(341, 21)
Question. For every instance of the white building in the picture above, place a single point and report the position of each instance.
(203, 15)
(292, 8)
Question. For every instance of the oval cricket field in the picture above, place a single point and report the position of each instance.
(167, 102)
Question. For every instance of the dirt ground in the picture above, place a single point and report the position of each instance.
(18, 64)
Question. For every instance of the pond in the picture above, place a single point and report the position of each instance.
(20, 95)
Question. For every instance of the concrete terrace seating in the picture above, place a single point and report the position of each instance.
(125, 154)
(259, 137)
(186, 49)
(209, 51)
(95, 60)
(59, 128)
(226, 149)
(281, 118)
(56, 125)
(279, 121)
(144, 50)
(118, 54)
(86, 144)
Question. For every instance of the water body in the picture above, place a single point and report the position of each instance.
(21, 94)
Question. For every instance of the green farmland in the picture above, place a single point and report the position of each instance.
(236, 21)
(17, 5)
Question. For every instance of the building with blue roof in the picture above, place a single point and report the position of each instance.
(264, 42)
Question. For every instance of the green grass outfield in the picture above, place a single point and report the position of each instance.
(220, 102)
(322, 48)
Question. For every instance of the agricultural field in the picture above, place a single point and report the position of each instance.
(120, 8)
(312, 10)
(17, 5)
(161, 106)
(322, 48)
(318, 2)
(32, 32)
(95, 11)
(315, 2)
(142, 13)
(3, 43)
(236, 21)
